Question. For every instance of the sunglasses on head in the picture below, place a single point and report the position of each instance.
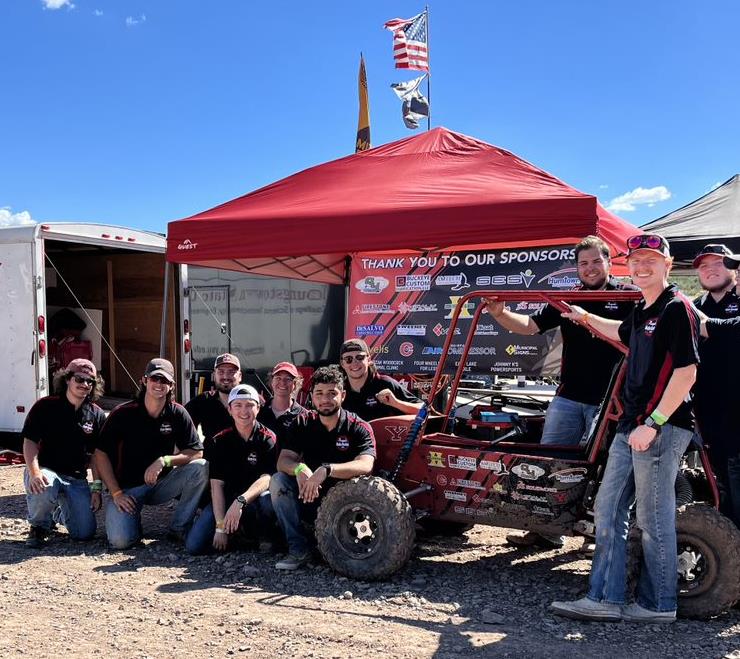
(348, 359)
(651, 241)
(160, 379)
(79, 379)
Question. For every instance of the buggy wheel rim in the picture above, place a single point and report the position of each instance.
(358, 530)
(696, 566)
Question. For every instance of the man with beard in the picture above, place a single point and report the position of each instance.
(587, 362)
(322, 446)
(716, 410)
(210, 410)
(278, 412)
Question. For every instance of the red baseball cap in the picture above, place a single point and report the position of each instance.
(287, 367)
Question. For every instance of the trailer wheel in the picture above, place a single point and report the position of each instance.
(708, 546)
(365, 528)
(444, 528)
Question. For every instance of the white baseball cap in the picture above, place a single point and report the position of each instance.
(244, 392)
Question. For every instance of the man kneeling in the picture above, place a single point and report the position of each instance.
(241, 461)
(321, 446)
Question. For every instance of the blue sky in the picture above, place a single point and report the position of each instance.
(138, 112)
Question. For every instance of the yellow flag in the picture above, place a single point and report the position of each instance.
(363, 122)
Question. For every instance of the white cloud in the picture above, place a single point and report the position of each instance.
(10, 219)
(131, 21)
(57, 4)
(97, 12)
(603, 186)
(639, 197)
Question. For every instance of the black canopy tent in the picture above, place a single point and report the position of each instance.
(713, 218)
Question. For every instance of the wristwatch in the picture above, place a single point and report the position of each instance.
(242, 500)
(651, 423)
(327, 466)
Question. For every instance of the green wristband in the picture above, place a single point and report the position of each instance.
(167, 459)
(658, 417)
(96, 486)
(301, 467)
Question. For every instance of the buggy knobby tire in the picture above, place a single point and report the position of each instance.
(708, 546)
(365, 528)
(444, 528)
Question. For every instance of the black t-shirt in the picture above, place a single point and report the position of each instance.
(661, 338)
(207, 411)
(279, 424)
(587, 362)
(133, 439)
(364, 404)
(238, 463)
(316, 445)
(66, 436)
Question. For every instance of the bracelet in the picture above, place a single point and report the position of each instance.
(116, 493)
(219, 524)
(659, 417)
(167, 459)
(220, 531)
(301, 467)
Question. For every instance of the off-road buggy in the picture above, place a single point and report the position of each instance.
(449, 473)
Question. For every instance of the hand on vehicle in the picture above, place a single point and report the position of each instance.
(96, 501)
(494, 306)
(37, 484)
(125, 503)
(576, 313)
(233, 517)
(386, 397)
(641, 438)
(220, 541)
(152, 471)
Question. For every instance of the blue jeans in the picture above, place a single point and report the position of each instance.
(70, 496)
(646, 479)
(567, 422)
(186, 482)
(289, 510)
(256, 516)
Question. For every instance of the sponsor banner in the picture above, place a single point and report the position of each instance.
(412, 298)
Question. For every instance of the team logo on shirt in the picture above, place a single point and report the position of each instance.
(650, 326)
(342, 443)
(611, 306)
(731, 308)
(252, 458)
(371, 402)
(165, 428)
(87, 427)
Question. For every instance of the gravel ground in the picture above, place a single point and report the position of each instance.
(471, 596)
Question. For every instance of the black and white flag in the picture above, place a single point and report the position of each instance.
(414, 105)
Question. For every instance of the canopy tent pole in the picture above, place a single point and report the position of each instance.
(163, 327)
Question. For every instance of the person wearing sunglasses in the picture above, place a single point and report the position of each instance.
(655, 429)
(586, 365)
(371, 395)
(717, 413)
(149, 453)
(59, 436)
(279, 411)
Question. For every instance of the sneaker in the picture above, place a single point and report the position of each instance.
(37, 537)
(293, 561)
(586, 609)
(532, 539)
(636, 613)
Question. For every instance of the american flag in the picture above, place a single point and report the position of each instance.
(410, 49)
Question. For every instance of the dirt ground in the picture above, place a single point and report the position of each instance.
(470, 596)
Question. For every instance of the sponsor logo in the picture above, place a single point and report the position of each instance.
(462, 462)
(456, 496)
(411, 330)
(463, 482)
(252, 458)
(165, 428)
(406, 349)
(462, 510)
(513, 507)
(342, 443)
(457, 282)
(498, 488)
(187, 244)
(522, 279)
(397, 433)
(487, 330)
(561, 281)
(441, 330)
(528, 472)
(370, 330)
(540, 510)
(575, 475)
(436, 459)
(87, 427)
(413, 282)
(650, 326)
(442, 480)
(416, 308)
(530, 306)
(519, 349)
(379, 350)
(518, 496)
(372, 285)
(496, 466)
(372, 309)
(431, 350)
(611, 306)
(535, 488)
(464, 312)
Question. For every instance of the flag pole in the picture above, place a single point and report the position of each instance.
(429, 73)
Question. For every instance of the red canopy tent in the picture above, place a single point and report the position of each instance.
(437, 190)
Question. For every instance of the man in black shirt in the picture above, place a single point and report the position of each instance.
(371, 395)
(717, 412)
(322, 446)
(59, 436)
(278, 412)
(241, 462)
(210, 410)
(654, 430)
(148, 454)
